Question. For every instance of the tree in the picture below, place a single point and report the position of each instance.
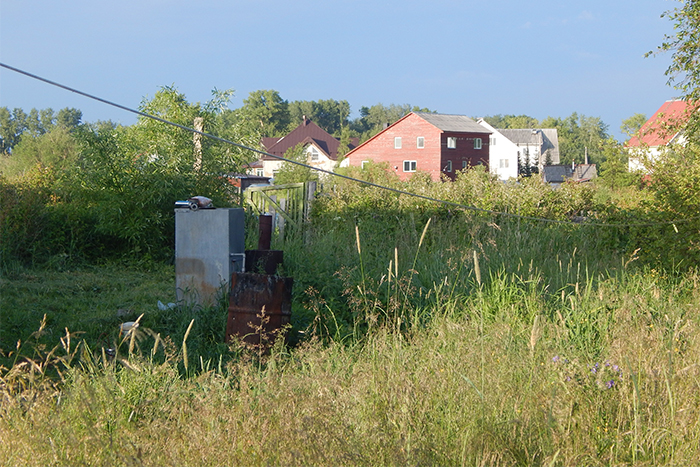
(266, 110)
(331, 115)
(614, 171)
(631, 126)
(56, 149)
(579, 136)
(373, 119)
(294, 173)
(512, 121)
(684, 73)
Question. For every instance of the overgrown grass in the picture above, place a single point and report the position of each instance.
(506, 375)
(422, 336)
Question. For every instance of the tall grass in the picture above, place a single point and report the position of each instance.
(421, 337)
(540, 381)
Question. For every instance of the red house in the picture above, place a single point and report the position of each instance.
(434, 143)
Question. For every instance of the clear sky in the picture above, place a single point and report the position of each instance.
(540, 58)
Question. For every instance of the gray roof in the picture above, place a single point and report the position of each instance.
(546, 138)
(455, 123)
(561, 173)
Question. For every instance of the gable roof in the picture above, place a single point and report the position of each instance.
(561, 173)
(306, 133)
(443, 122)
(663, 126)
(452, 123)
(547, 139)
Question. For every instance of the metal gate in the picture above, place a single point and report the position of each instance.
(289, 204)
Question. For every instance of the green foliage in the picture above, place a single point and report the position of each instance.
(294, 173)
(267, 112)
(579, 135)
(512, 121)
(56, 149)
(614, 170)
(683, 72)
(631, 126)
(373, 119)
(16, 124)
(331, 115)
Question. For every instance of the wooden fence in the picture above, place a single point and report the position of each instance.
(289, 204)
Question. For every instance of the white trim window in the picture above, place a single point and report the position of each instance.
(259, 172)
(397, 142)
(492, 141)
(448, 167)
(477, 143)
(503, 163)
(420, 142)
(409, 166)
(451, 142)
(314, 153)
(364, 164)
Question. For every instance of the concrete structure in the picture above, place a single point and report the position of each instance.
(434, 143)
(209, 247)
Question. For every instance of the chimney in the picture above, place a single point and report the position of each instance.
(304, 117)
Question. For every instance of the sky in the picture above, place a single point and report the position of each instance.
(539, 58)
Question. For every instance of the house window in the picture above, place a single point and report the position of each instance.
(492, 141)
(448, 167)
(409, 166)
(364, 163)
(397, 142)
(314, 153)
(451, 142)
(259, 172)
(464, 165)
(504, 163)
(420, 142)
(477, 143)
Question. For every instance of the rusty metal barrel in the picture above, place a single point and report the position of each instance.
(260, 305)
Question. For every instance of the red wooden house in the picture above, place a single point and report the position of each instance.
(434, 143)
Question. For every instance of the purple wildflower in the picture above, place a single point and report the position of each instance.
(555, 359)
(610, 384)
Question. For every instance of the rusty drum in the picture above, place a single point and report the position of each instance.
(259, 305)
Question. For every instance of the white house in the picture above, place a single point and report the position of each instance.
(503, 154)
(661, 131)
(540, 146)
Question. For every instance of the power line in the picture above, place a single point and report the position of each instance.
(334, 174)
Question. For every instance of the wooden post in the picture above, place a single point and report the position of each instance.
(197, 140)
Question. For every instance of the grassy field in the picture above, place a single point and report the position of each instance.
(419, 338)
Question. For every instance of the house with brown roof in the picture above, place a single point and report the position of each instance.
(663, 130)
(438, 144)
(321, 148)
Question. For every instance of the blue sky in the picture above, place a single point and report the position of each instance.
(540, 58)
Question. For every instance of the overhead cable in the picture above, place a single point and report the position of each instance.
(331, 173)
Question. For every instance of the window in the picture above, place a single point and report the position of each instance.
(409, 166)
(259, 172)
(477, 143)
(420, 142)
(492, 141)
(364, 163)
(397, 142)
(448, 167)
(451, 142)
(314, 153)
(464, 165)
(504, 163)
